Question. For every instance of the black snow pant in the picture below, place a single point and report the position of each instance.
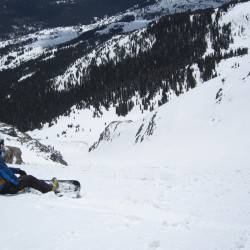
(27, 181)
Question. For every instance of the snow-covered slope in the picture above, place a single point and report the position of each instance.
(178, 179)
(32, 150)
(82, 124)
(215, 111)
(185, 186)
(208, 123)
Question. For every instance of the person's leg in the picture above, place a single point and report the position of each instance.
(31, 181)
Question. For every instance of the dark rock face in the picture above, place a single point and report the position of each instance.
(13, 155)
(146, 129)
(109, 133)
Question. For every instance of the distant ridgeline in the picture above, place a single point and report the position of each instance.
(22, 16)
(180, 42)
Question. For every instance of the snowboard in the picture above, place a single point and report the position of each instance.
(69, 188)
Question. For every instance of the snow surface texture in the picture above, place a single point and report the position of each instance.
(184, 186)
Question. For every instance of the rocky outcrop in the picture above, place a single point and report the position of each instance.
(13, 155)
(146, 129)
(50, 152)
(109, 133)
(117, 129)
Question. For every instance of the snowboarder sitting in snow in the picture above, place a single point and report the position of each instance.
(10, 184)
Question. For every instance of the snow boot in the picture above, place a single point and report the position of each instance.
(55, 185)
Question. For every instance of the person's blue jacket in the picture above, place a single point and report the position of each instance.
(6, 173)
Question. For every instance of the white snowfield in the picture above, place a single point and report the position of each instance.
(185, 186)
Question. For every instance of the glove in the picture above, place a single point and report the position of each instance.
(21, 172)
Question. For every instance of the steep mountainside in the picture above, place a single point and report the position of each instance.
(79, 123)
(111, 63)
(176, 178)
(209, 122)
(181, 171)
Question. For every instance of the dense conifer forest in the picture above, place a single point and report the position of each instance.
(181, 41)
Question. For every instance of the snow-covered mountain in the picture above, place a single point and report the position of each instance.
(79, 122)
(211, 122)
(176, 177)
(61, 61)
(188, 179)
(22, 17)
(210, 102)
(130, 20)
